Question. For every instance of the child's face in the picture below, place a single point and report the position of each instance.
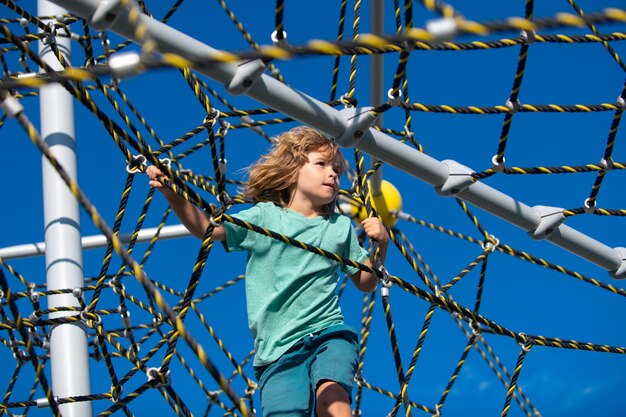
(318, 179)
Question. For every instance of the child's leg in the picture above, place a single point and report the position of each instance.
(332, 375)
(284, 386)
(332, 400)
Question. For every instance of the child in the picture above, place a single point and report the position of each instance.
(302, 345)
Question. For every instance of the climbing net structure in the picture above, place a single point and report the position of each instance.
(473, 306)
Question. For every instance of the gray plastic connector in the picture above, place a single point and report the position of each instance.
(551, 219)
(360, 119)
(459, 178)
(245, 76)
(106, 14)
(620, 273)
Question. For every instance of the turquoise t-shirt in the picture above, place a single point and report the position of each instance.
(291, 292)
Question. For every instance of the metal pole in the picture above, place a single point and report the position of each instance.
(376, 83)
(69, 356)
(351, 127)
(28, 250)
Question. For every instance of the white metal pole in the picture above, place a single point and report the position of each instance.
(69, 356)
(28, 250)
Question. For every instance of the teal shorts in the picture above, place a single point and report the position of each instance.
(288, 385)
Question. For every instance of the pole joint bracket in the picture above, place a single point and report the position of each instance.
(550, 220)
(360, 119)
(106, 14)
(620, 272)
(246, 74)
(459, 178)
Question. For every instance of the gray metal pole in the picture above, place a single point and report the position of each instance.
(69, 356)
(376, 82)
(351, 127)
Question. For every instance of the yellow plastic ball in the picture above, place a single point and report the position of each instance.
(385, 203)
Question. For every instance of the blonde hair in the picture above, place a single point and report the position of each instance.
(272, 177)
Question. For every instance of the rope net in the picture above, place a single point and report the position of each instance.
(469, 304)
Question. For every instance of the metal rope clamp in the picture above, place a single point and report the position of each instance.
(250, 121)
(407, 133)
(251, 388)
(279, 42)
(215, 223)
(116, 285)
(526, 343)
(44, 403)
(589, 205)
(491, 244)
(224, 128)
(90, 318)
(348, 101)
(528, 36)
(20, 355)
(496, 165)
(33, 295)
(10, 105)
(123, 65)
(394, 99)
(385, 281)
(442, 29)
(138, 160)
(212, 117)
(50, 38)
(475, 327)
(437, 291)
(155, 374)
(166, 162)
(116, 392)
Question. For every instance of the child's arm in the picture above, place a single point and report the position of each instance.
(194, 220)
(366, 281)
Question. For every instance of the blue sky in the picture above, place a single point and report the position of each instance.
(518, 295)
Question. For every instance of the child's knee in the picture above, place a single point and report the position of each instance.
(330, 394)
